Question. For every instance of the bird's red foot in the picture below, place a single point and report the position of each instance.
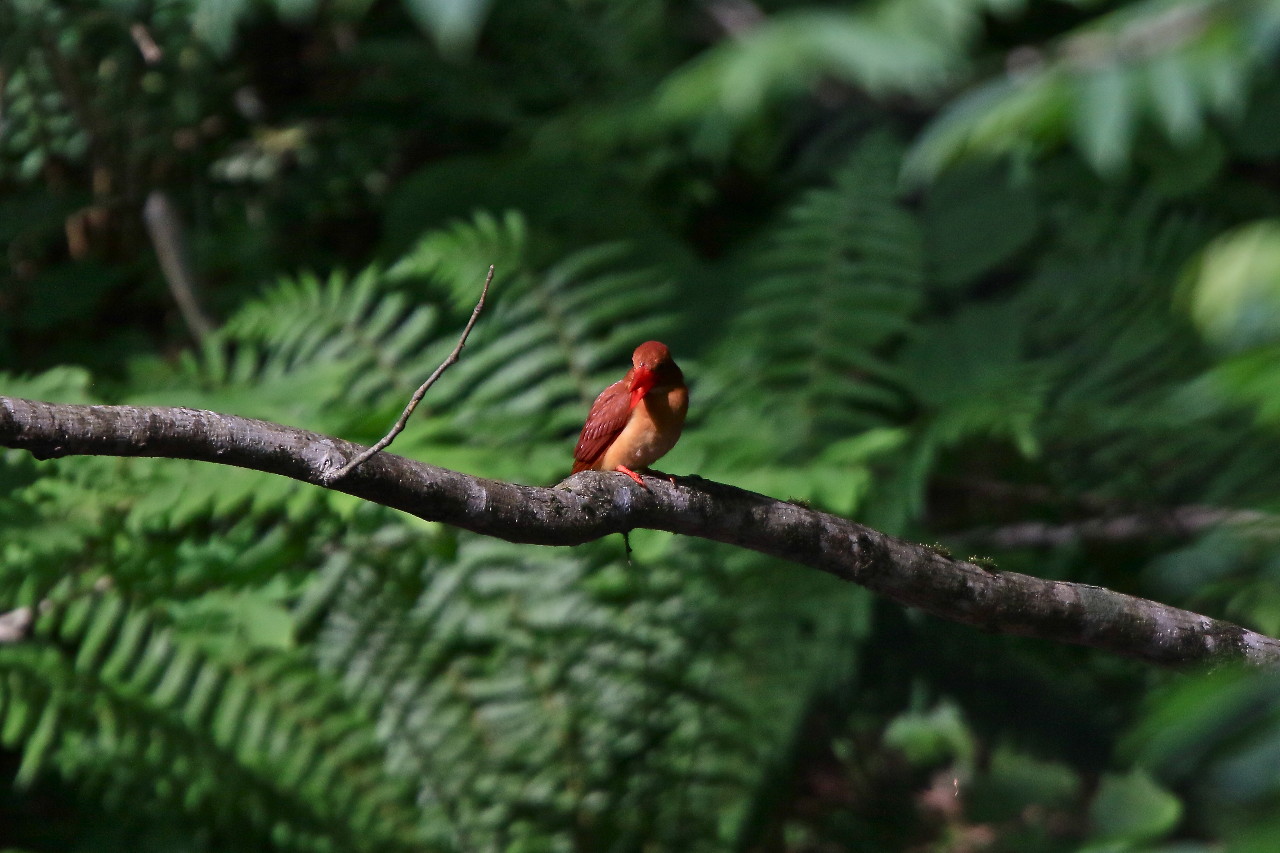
(623, 469)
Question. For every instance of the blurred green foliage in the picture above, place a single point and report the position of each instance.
(948, 267)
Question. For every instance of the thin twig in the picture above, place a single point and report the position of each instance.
(151, 52)
(164, 226)
(1172, 523)
(417, 395)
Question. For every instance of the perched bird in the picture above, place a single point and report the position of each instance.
(636, 419)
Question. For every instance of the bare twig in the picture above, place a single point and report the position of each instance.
(151, 52)
(1175, 522)
(417, 395)
(164, 226)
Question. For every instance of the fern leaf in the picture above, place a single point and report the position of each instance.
(506, 683)
(846, 266)
(894, 46)
(146, 729)
(1100, 84)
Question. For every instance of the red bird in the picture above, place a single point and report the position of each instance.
(636, 419)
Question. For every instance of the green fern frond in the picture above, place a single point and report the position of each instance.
(891, 46)
(1172, 66)
(846, 267)
(325, 353)
(264, 751)
(971, 379)
(67, 384)
(531, 687)
(458, 255)
(1130, 366)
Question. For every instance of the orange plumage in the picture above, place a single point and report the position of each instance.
(636, 419)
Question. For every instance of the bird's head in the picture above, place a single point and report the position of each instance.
(652, 367)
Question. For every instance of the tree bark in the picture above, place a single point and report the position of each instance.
(590, 505)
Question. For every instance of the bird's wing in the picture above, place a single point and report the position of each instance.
(605, 421)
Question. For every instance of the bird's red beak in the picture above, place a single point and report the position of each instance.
(642, 381)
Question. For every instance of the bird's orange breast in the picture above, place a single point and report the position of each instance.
(652, 430)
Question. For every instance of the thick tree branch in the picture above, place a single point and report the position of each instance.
(592, 504)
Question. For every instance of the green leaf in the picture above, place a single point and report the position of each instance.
(1176, 99)
(455, 24)
(1105, 117)
(1015, 781)
(215, 21)
(976, 218)
(1133, 809)
(932, 737)
(1232, 291)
